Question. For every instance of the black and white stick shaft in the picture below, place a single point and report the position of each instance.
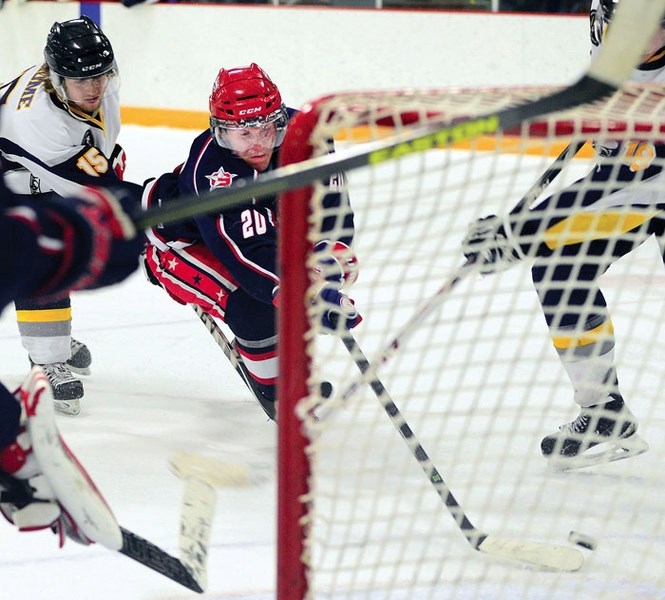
(550, 556)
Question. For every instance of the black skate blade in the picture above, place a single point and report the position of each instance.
(601, 454)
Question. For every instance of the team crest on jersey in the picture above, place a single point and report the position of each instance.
(221, 179)
(35, 185)
(88, 140)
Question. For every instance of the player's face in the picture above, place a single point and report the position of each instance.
(87, 94)
(253, 144)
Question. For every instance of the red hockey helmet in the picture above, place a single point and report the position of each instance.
(245, 97)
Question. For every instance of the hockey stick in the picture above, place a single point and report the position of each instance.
(234, 357)
(551, 556)
(460, 274)
(632, 27)
(238, 363)
(189, 572)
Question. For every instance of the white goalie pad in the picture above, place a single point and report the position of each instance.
(71, 484)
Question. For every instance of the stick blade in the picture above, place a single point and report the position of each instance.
(198, 511)
(549, 556)
(217, 473)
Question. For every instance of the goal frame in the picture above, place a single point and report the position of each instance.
(294, 472)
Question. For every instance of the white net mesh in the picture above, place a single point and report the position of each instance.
(480, 378)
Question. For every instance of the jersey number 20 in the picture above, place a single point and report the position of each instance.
(253, 223)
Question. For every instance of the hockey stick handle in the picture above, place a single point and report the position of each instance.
(472, 535)
(433, 135)
(632, 28)
(235, 359)
(548, 176)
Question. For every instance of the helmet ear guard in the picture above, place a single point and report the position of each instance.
(245, 97)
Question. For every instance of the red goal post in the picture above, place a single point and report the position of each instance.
(464, 376)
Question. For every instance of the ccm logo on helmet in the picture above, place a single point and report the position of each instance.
(91, 67)
(249, 111)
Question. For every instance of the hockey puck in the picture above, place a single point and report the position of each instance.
(585, 541)
(326, 389)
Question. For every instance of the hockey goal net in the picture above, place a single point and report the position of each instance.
(452, 409)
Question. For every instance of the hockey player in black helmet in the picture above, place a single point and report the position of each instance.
(58, 131)
(602, 15)
(81, 64)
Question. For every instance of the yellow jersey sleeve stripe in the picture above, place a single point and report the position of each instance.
(584, 227)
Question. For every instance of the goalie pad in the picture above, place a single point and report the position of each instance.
(86, 518)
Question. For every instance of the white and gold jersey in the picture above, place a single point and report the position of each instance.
(47, 146)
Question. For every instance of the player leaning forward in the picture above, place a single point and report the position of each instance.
(58, 131)
(227, 263)
(567, 267)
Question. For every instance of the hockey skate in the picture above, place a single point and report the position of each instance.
(600, 434)
(67, 390)
(80, 360)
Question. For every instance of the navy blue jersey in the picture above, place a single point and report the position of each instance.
(244, 239)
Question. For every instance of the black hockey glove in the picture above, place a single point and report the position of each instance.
(96, 243)
(339, 311)
(488, 244)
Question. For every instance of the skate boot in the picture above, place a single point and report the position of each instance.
(610, 424)
(80, 359)
(67, 390)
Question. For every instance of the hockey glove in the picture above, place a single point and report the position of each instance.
(335, 263)
(339, 312)
(489, 244)
(89, 241)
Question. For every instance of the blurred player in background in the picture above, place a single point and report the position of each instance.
(227, 263)
(49, 246)
(567, 268)
(58, 130)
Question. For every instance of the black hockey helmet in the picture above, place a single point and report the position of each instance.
(77, 49)
(608, 7)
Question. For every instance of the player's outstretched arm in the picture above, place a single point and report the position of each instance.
(67, 244)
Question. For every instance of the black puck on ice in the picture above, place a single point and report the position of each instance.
(585, 541)
(326, 389)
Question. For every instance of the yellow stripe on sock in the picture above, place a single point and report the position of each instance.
(593, 336)
(51, 315)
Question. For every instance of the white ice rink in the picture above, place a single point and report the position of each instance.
(159, 385)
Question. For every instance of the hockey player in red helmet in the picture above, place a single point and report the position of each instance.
(247, 114)
(227, 263)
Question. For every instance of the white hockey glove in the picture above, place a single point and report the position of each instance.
(490, 245)
(605, 148)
